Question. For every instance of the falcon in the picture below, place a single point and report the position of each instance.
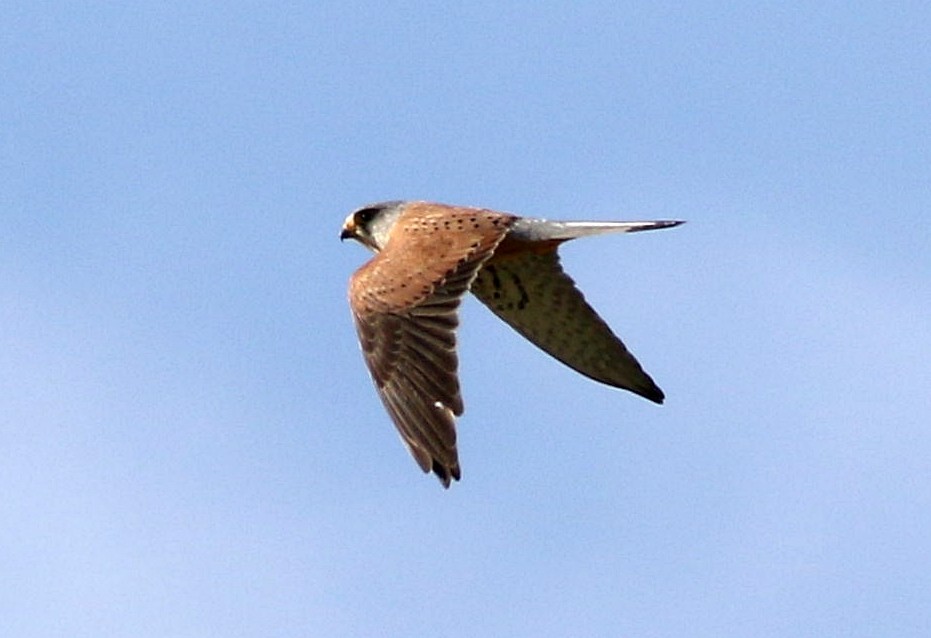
(405, 303)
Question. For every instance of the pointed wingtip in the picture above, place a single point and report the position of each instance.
(445, 474)
(654, 394)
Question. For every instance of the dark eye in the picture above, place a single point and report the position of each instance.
(366, 215)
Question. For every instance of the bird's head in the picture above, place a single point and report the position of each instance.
(371, 225)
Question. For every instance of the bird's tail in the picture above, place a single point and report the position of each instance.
(530, 229)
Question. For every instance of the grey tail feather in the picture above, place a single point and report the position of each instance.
(531, 229)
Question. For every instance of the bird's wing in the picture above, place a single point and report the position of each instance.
(406, 314)
(530, 291)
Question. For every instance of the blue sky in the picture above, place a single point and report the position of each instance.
(192, 444)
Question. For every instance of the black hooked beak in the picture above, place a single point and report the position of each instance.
(349, 229)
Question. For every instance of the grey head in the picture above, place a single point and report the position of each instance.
(371, 225)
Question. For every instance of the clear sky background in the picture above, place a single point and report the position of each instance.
(191, 445)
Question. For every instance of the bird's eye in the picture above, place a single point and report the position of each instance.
(366, 215)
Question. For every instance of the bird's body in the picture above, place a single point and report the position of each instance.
(405, 302)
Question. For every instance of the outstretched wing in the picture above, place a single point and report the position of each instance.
(530, 291)
(405, 303)
(412, 359)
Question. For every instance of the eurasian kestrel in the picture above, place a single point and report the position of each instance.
(405, 302)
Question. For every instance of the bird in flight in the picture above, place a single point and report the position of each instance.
(405, 303)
